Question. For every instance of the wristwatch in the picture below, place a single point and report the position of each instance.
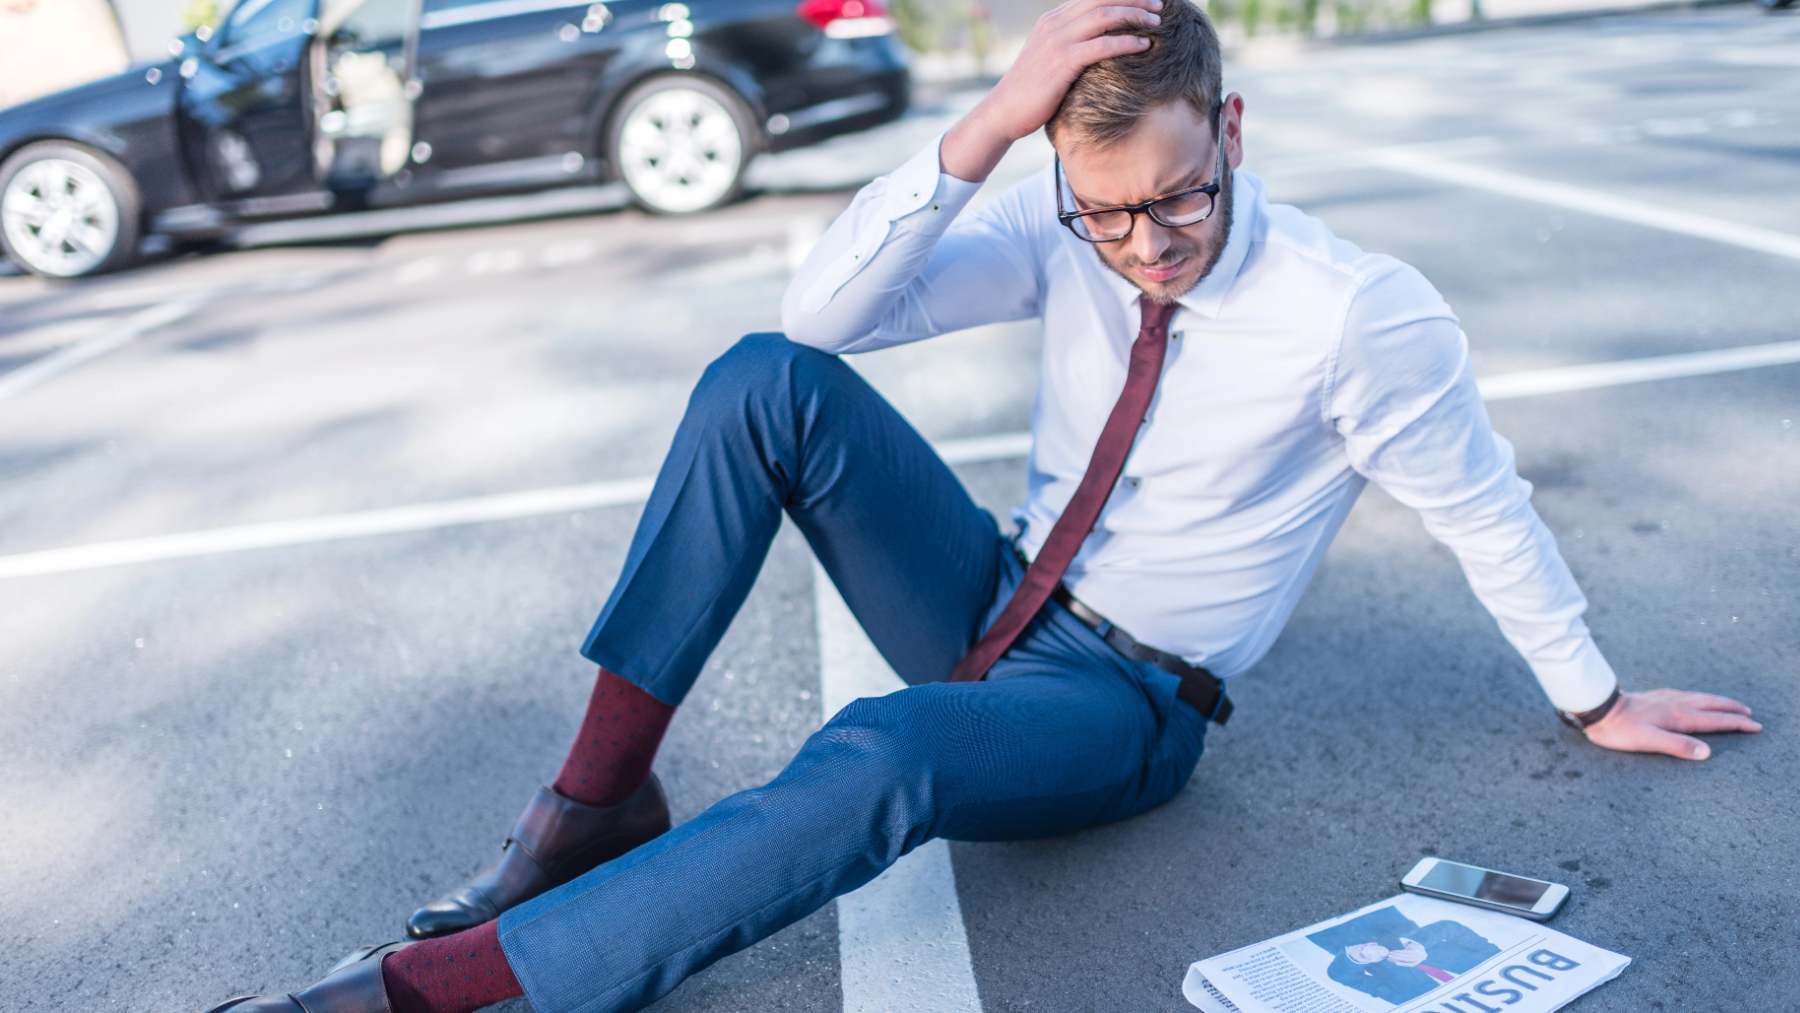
(1580, 720)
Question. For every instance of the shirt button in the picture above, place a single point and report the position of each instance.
(1133, 481)
(1176, 336)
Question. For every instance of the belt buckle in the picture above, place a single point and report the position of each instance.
(1222, 705)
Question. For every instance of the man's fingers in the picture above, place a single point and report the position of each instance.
(1682, 747)
(1073, 10)
(1702, 721)
(1095, 50)
(1101, 20)
(1715, 702)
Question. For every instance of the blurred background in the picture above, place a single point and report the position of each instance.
(339, 340)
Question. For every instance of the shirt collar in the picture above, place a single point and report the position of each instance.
(1208, 297)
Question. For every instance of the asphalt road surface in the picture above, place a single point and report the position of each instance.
(403, 467)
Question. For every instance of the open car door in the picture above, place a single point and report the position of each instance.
(363, 61)
(245, 103)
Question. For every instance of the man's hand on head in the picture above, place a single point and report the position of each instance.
(1666, 720)
(1064, 41)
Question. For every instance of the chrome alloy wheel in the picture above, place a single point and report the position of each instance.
(680, 150)
(59, 217)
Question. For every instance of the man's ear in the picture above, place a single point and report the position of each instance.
(1234, 128)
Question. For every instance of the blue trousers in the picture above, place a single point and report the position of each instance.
(1064, 733)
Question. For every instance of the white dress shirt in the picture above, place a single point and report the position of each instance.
(1297, 370)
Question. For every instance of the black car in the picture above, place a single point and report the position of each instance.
(297, 107)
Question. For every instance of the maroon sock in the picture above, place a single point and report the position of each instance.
(458, 973)
(618, 739)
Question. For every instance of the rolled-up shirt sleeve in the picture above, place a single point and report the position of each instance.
(1403, 396)
(903, 263)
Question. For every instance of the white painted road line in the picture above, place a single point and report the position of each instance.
(572, 251)
(902, 946)
(330, 527)
(504, 261)
(1003, 447)
(416, 271)
(566, 499)
(1415, 162)
(762, 262)
(1560, 379)
(68, 357)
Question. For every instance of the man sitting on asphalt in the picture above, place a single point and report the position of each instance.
(1221, 377)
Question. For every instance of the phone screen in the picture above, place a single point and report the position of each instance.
(1467, 881)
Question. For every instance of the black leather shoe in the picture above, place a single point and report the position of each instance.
(353, 986)
(555, 840)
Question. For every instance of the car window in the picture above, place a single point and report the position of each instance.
(371, 25)
(254, 22)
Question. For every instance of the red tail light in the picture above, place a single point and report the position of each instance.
(847, 18)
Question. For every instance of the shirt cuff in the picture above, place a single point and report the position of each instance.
(1580, 683)
(923, 198)
(918, 198)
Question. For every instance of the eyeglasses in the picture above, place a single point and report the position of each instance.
(1174, 210)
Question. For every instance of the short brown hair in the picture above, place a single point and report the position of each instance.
(1108, 98)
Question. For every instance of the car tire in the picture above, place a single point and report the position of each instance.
(1774, 5)
(71, 190)
(680, 143)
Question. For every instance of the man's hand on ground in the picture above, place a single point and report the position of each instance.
(1655, 722)
(1062, 43)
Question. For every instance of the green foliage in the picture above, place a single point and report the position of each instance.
(981, 30)
(1347, 17)
(1309, 16)
(200, 14)
(1253, 16)
(913, 18)
(1352, 16)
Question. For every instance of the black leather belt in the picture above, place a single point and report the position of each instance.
(1201, 689)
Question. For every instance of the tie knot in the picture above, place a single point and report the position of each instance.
(1156, 314)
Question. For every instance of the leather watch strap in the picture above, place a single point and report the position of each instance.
(1581, 720)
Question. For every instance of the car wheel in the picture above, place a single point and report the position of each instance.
(67, 211)
(680, 143)
(1773, 5)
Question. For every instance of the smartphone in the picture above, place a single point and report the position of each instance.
(1496, 891)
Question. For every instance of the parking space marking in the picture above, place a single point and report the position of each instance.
(763, 262)
(501, 261)
(87, 349)
(1561, 379)
(416, 271)
(106, 298)
(330, 527)
(567, 499)
(1690, 126)
(572, 251)
(1420, 163)
(902, 945)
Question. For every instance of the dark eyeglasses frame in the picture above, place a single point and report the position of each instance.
(1067, 218)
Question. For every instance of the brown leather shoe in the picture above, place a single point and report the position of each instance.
(353, 986)
(555, 840)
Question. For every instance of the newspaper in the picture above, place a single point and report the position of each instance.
(1406, 954)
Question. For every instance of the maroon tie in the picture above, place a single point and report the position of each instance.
(1078, 518)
